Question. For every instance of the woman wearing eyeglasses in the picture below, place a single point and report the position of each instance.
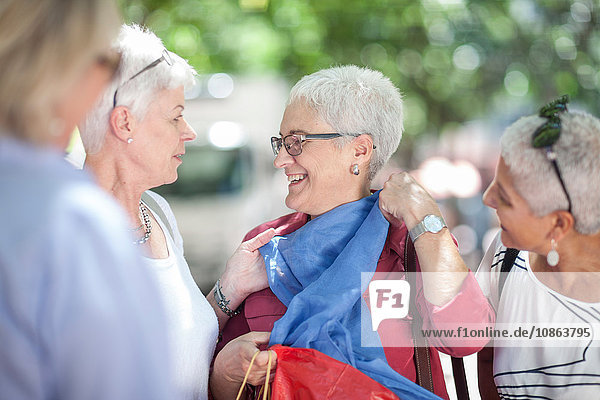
(546, 195)
(79, 317)
(134, 139)
(339, 128)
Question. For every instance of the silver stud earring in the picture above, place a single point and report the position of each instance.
(355, 169)
(130, 140)
(552, 258)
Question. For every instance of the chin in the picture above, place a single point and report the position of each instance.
(507, 240)
(171, 179)
(291, 204)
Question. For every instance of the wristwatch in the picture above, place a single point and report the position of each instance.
(431, 223)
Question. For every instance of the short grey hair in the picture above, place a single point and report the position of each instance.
(356, 100)
(138, 47)
(577, 154)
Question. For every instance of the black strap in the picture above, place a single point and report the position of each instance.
(507, 263)
(460, 378)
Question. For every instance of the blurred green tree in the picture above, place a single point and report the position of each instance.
(455, 60)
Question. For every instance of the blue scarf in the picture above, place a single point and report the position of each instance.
(316, 272)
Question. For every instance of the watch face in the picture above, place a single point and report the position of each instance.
(433, 223)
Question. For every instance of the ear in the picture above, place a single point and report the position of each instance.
(122, 123)
(362, 149)
(563, 222)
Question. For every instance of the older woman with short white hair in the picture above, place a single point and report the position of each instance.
(542, 269)
(339, 128)
(134, 139)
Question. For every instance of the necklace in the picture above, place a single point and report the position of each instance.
(147, 225)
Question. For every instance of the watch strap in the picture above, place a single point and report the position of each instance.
(421, 227)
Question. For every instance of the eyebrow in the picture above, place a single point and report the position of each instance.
(179, 106)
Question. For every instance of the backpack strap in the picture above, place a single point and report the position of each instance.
(507, 263)
(153, 205)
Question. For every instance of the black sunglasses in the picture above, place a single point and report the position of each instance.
(548, 133)
(166, 57)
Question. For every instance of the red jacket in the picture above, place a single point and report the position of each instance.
(263, 308)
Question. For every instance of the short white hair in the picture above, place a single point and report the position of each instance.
(138, 47)
(577, 154)
(355, 101)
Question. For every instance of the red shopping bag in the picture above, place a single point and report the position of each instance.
(306, 374)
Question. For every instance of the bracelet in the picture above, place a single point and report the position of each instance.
(222, 302)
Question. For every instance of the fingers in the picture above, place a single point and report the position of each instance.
(262, 359)
(259, 240)
(258, 373)
(257, 338)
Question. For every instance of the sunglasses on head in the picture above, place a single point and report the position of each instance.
(165, 56)
(548, 134)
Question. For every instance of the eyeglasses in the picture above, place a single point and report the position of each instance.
(166, 57)
(293, 142)
(548, 133)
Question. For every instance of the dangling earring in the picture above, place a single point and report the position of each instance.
(552, 258)
(355, 169)
(130, 140)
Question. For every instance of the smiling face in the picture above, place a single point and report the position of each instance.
(521, 229)
(161, 136)
(319, 178)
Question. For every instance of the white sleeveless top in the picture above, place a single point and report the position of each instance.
(548, 371)
(192, 323)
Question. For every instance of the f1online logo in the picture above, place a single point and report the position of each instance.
(389, 300)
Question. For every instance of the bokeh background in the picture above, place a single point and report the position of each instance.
(467, 70)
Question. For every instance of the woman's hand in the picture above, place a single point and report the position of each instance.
(403, 199)
(232, 363)
(245, 272)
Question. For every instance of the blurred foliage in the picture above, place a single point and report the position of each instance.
(455, 60)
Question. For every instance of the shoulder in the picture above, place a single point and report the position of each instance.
(161, 208)
(282, 225)
(160, 201)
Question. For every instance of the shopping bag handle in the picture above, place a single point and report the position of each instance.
(265, 387)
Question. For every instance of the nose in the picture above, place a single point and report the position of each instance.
(489, 198)
(283, 159)
(188, 132)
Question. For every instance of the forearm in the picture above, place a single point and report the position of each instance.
(444, 270)
(230, 294)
